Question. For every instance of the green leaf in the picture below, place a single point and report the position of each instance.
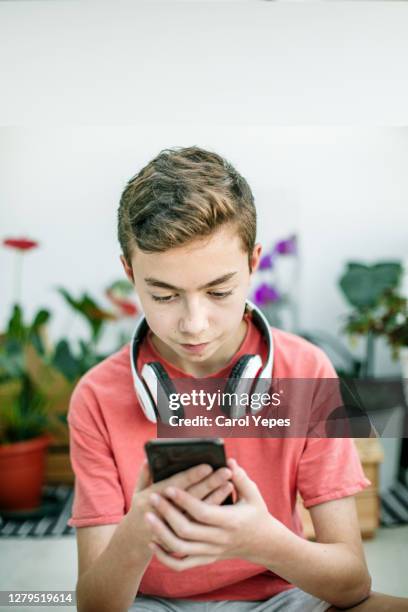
(17, 423)
(16, 328)
(363, 286)
(68, 298)
(65, 361)
(88, 308)
(41, 318)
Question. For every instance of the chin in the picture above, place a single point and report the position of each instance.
(198, 357)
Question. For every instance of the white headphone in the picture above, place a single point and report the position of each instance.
(247, 376)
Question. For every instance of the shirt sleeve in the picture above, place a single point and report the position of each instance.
(329, 468)
(98, 495)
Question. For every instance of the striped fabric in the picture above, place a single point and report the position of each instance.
(49, 525)
(394, 506)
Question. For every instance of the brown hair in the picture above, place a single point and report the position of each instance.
(182, 195)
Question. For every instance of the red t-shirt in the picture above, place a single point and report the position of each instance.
(108, 430)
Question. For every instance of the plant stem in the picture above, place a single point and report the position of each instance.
(369, 365)
(18, 277)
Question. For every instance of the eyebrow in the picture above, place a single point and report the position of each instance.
(154, 282)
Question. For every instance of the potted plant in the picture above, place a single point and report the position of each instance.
(36, 382)
(35, 385)
(23, 418)
(368, 289)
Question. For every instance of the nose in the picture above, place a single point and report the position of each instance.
(194, 321)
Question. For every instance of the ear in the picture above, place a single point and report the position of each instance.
(255, 258)
(128, 269)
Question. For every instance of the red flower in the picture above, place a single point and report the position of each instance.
(21, 244)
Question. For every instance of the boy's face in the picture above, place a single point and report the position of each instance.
(193, 298)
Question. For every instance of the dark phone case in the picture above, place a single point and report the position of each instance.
(168, 457)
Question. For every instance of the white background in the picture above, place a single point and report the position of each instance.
(157, 62)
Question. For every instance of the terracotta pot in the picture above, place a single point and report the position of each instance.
(22, 470)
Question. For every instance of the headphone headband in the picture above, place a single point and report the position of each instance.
(146, 384)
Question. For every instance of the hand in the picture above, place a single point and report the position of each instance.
(210, 533)
(201, 482)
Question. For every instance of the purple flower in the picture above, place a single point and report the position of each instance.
(265, 294)
(266, 262)
(286, 247)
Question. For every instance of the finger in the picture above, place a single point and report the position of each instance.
(181, 564)
(211, 483)
(144, 477)
(185, 479)
(169, 540)
(246, 488)
(202, 512)
(181, 525)
(221, 494)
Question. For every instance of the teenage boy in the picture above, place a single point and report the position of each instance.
(187, 228)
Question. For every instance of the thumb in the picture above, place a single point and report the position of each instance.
(246, 488)
(144, 478)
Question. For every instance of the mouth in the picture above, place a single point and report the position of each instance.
(195, 348)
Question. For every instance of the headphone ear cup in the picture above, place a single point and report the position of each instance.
(161, 388)
(240, 381)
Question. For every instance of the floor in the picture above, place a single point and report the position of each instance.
(50, 564)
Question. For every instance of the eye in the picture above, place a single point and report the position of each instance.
(219, 295)
(166, 298)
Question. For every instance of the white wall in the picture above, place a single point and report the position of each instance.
(109, 62)
(343, 190)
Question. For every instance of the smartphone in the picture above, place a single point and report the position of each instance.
(170, 456)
